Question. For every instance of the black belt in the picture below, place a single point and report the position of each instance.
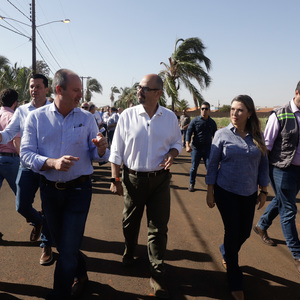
(145, 174)
(66, 185)
(9, 154)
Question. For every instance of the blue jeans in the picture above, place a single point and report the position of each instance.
(9, 167)
(183, 133)
(66, 213)
(28, 183)
(237, 213)
(196, 155)
(286, 185)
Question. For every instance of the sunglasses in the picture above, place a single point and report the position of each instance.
(85, 107)
(145, 89)
(204, 108)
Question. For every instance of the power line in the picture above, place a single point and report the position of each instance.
(15, 31)
(20, 32)
(18, 10)
(48, 49)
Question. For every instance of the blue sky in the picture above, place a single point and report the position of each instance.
(253, 45)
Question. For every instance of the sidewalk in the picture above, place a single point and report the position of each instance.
(194, 263)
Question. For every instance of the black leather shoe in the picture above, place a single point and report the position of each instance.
(264, 236)
(191, 188)
(159, 286)
(128, 260)
(79, 286)
(36, 232)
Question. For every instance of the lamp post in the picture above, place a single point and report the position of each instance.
(33, 35)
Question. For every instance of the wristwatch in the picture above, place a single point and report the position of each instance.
(115, 179)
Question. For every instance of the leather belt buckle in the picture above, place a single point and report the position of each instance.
(60, 185)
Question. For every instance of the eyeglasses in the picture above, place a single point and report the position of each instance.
(85, 107)
(145, 89)
(204, 108)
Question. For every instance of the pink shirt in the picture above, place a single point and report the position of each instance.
(272, 130)
(6, 114)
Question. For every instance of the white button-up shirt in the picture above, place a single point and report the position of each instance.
(140, 142)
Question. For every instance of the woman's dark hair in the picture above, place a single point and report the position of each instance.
(253, 123)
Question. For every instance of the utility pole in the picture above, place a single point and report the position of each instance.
(33, 36)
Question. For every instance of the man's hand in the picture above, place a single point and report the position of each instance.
(168, 161)
(117, 188)
(63, 163)
(101, 143)
(188, 148)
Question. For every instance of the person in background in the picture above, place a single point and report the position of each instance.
(202, 128)
(105, 118)
(27, 181)
(59, 142)
(85, 106)
(238, 165)
(112, 123)
(282, 140)
(184, 122)
(147, 139)
(92, 110)
(9, 154)
(120, 110)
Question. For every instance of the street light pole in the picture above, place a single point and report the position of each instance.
(33, 37)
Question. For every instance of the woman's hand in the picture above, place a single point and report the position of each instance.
(261, 200)
(210, 198)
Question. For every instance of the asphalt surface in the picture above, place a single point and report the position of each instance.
(194, 268)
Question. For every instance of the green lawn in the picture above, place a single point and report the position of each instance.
(223, 122)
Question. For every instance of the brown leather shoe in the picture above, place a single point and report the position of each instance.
(159, 286)
(36, 232)
(264, 236)
(237, 295)
(297, 264)
(47, 255)
(79, 286)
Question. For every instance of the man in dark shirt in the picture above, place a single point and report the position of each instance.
(203, 128)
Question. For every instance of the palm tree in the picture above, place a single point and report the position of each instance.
(114, 90)
(128, 96)
(183, 105)
(185, 65)
(4, 66)
(92, 85)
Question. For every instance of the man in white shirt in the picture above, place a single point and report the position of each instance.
(147, 139)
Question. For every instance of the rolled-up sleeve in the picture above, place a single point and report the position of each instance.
(29, 146)
(214, 159)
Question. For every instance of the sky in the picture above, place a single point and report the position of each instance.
(253, 45)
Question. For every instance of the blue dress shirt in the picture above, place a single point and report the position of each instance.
(48, 134)
(236, 164)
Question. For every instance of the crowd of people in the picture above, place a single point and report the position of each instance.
(51, 146)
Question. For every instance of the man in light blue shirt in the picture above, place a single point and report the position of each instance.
(60, 141)
(27, 181)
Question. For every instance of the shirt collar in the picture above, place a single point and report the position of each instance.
(6, 108)
(141, 110)
(294, 107)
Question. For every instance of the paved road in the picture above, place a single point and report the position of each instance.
(194, 262)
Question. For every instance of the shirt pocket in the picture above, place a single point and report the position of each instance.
(78, 136)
